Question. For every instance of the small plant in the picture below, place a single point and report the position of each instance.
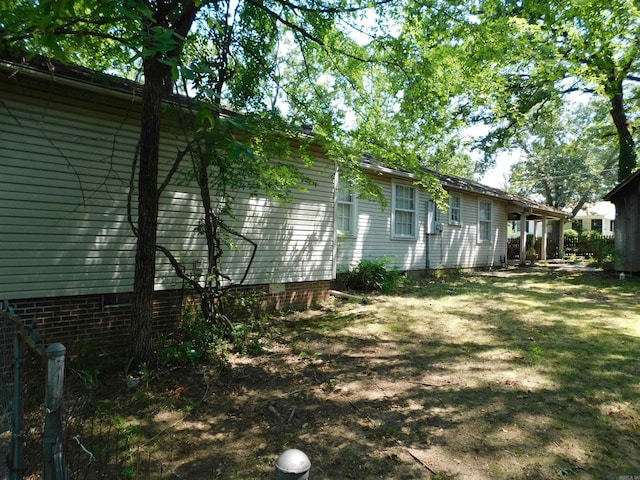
(374, 275)
(90, 376)
(179, 352)
(573, 258)
(536, 353)
(90, 362)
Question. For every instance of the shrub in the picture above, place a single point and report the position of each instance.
(241, 330)
(591, 235)
(374, 275)
(605, 254)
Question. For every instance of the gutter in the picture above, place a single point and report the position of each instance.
(66, 80)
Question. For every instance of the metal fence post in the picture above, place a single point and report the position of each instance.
(54, 467)
(292, 465)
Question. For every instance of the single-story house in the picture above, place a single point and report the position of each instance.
(626, 197)
(413, 235)
(598, 216)
(67, 139)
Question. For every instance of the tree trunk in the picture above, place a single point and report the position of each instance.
(141, 348)
(627, 159)
(177, 17)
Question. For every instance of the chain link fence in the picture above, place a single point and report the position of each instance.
(7, 334)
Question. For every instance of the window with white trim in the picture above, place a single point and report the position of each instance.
(404, 211)
(484, 221)
(346, 209)
(455, 209)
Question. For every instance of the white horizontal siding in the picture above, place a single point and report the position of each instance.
(66, 156)
(295, 240)
(456, 247)
(373, 239)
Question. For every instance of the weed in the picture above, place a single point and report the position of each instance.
(90, 376)
(176, 352)
(89, 362)
(536, 353)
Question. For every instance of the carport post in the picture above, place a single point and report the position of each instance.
(523, 238)
(543, 243)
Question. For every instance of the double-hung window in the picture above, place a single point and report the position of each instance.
(455, 209)
(484, 221)
(404, 211)
(346, 211)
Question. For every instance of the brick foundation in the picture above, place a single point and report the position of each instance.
(104, 319)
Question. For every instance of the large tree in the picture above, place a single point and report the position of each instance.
(568, 159)
(534, 53)
(149, 37)
(247, 54)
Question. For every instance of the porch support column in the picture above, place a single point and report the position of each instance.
(523, 238)
(561, 238)
(543, 242)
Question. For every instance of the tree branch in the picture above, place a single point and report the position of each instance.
(132, 177)
(174, 168)
(304, 8)
(297, 28)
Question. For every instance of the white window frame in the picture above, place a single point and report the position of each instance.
(458, 209)
(482, 221)
(352, 204)
(395, 209)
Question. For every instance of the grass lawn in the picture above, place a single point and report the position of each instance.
(522, 374)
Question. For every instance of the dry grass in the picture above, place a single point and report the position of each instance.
(516, 375)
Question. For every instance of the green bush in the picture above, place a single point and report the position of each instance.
(374, 275)
(589, 235)
(604, 254)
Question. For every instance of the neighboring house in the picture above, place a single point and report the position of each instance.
(599, 217)
(67, 141)
(626, 197)
(414, 236)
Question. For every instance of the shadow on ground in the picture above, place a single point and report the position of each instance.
(529, 376)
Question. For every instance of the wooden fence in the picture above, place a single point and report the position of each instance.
(581, 246)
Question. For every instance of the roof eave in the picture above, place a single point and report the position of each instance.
(609, 196)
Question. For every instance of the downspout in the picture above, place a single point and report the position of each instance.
(334, 252)
(427, 262)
